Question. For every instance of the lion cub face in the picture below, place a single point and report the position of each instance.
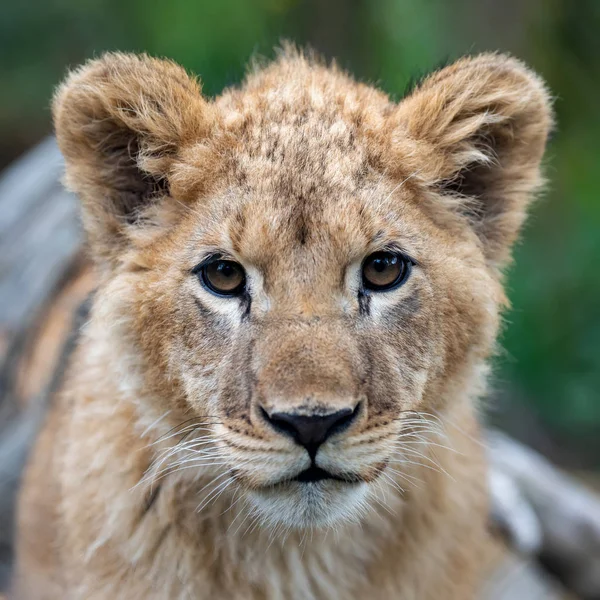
(305, 275)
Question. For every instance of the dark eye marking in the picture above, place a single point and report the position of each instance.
(364, 303)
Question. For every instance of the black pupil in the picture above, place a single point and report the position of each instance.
(381, 264)
(226, 269)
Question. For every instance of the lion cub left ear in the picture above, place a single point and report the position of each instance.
(475, 133)
(121, 123)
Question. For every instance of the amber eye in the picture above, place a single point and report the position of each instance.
(222, 277)
(384, 271)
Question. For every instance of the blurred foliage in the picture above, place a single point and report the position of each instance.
(552, 341)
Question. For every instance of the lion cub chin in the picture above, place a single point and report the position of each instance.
(299, 285)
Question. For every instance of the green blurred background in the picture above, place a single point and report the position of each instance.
(546, 388)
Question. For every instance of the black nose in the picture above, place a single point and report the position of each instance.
(311, 431)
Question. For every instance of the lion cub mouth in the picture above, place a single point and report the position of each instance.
(315, 474)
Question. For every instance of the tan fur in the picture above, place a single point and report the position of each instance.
(155, 474)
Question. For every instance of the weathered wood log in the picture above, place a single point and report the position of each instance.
(547, 517)
(40, 252)
(40, 239)
(547, 514)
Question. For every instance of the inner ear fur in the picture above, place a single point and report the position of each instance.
(120, 123)
(475, 133)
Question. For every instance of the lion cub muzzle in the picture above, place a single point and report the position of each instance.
(308, 387)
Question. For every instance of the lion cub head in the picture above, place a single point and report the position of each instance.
(299, 273)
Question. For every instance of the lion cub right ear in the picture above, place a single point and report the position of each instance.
(475, 133)
(121, 122)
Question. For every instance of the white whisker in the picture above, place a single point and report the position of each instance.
(154, 424)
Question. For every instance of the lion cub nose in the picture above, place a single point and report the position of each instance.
(311, 431)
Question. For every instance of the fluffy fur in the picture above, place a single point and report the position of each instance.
(156, 475)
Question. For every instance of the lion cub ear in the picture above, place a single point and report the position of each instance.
(120, 123)
(475, 132)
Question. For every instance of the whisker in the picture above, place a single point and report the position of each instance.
(393, 483)
(212, 497)
(465, 433)
(435, 467)
(248, 513)
(154, 424)
(383, 500)
(180, 425)
(233, 502)
(409, 478)
(190, 428)
(428, 443)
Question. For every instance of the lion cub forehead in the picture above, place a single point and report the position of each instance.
(298, 125)
(335, 229)
(266, 228)
(293, 86)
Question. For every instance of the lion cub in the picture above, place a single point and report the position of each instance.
(299, 284)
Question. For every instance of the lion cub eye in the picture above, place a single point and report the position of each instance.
(222, 277)
(385, 271)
